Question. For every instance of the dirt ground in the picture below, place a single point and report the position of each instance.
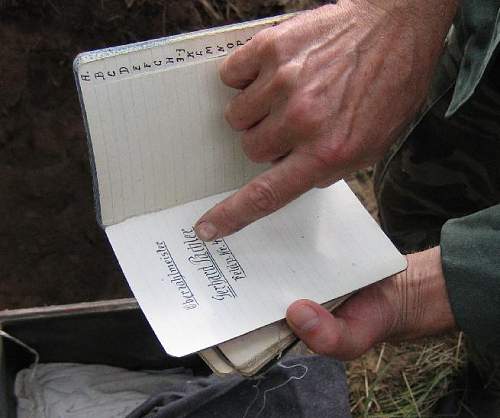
(51, 249)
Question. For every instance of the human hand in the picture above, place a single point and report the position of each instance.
(323, 94)
(409, 305)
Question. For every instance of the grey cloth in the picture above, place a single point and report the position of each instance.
(62, 390)
(296, 387)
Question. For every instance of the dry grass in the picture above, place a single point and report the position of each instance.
(223, 10)
(404, 380)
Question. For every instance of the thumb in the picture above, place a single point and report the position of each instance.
(341, 337)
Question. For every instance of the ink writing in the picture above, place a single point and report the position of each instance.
(232, 264)
(176, 56)
(175, 277)
(203, 260)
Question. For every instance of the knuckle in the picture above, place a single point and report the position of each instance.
(232, 68)
(226, 70)
(228, 114)
(298, 111)
(305, 116)
(254, 152)
(327, 154)
(266, 41)
(327, 346)
(231, 222)
(260, 38)
(231, 115)
(263, 197)
(268, 146)
(284, 77)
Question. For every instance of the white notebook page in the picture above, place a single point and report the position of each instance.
(163, 154)
(196, 295)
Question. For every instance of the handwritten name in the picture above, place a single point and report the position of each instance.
(204, 261)
(232, 264)
(175, 277)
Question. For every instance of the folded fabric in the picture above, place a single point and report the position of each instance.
(297, 386)
(88, 391)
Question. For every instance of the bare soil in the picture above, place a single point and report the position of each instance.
(51, 248)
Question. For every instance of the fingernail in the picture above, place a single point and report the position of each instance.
(304, 318)
(206, 231)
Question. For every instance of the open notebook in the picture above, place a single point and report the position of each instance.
(162, 155)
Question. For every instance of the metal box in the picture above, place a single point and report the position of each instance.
(114, 333)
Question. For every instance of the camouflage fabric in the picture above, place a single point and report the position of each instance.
(445, 168)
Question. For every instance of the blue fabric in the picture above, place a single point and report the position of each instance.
(296, 387)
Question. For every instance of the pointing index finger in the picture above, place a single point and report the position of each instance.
(265, 194)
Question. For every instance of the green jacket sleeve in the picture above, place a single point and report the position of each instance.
(470, 251)
(476, 35)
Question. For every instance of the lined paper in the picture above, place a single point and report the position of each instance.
(154, 114)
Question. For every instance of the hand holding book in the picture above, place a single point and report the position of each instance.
(162, 155)
(324, 94)
(409, 305)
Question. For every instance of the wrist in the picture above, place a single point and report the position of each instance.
(421, 305)
(434, 10)
(428, 20)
